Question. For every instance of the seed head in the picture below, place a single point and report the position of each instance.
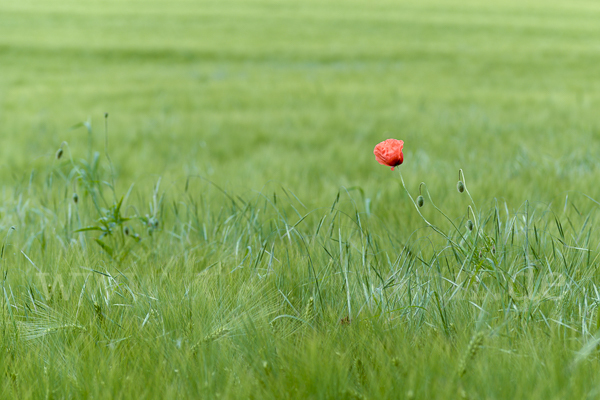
(420, 201)
(472, 349)
(460, 186)
(98, 311)
(308, 311)
(470, 225)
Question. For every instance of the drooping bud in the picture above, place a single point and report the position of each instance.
(126, 231)
(59, 153)
(470, 225)
(420, 201)
(75, 198)
(460, 186)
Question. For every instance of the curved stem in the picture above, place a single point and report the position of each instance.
(461, 173)
(443, 213)
(435, 228)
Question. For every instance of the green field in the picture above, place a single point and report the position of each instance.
(233, 236)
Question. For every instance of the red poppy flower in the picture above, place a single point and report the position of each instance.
(389, 152)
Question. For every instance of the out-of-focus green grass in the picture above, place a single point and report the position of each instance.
(298, 93)
(277, 259)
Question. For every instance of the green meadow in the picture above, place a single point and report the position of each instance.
(191, 208)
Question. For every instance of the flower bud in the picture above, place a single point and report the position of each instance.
(126, 231)
(75, 198)
(470, 225)
(420, 201)
(460, 186)
(59, 153)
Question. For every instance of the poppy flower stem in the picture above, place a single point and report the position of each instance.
(435, 228)
(461, 174)
(441, 212)
(470, 209)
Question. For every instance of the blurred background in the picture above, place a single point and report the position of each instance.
(270, 93)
